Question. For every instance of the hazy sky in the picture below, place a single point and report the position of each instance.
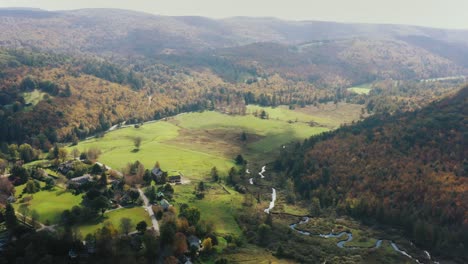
(433, 13)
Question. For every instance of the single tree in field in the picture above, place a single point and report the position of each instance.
(240, 160)
(137, 142)
(141, 227)
(243, 136)
(125, 225)
(214, 174)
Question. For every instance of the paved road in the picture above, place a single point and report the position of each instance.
(149, 209)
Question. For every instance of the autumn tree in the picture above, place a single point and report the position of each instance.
(207, 245)
(180, 244)
(3, 165)
(6, 190)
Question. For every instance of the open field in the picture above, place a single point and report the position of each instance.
(360, 89)
(136, 214)
(33, 97)
(193, 143)
(118, 149)
(269, 134)
(217, 207)
(254, 255)
(49, 204)
(331, 115)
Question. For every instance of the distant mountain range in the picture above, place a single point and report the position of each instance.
(327, 52)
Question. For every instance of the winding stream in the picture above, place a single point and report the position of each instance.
(261, 173)
(273, 199)
(341, 244)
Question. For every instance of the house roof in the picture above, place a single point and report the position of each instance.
(193, 240)
(156, 171)
(164, 203)
(84, 177)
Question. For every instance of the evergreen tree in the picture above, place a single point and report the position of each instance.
(103, 179)
(10, 217)
(214, 174)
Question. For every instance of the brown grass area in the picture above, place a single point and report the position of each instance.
(334, 115)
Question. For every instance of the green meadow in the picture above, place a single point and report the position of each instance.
(49, 204)
(135, 214)
(33, 97)
(193, 143)
(360, 89)
(217, 207)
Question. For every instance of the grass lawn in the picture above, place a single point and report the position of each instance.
(217, 207)
(33, 97)
(136, 214)
(49, 204)
(360, 89)
(117, 150)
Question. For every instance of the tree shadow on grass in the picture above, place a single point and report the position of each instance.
(135, 150)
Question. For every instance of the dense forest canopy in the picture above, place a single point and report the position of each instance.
(407, 169)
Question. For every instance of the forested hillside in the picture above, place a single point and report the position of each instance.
(408, 170)
(326, 54)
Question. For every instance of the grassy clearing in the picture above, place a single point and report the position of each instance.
(271, 133)
(33, 97)
(360, 89)
(193, 143)
(217, 207)
(283, 113)
(49, 204)
(332, 115)
(136, 214)
(118, 150)
(254, 255)
(282, 206)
